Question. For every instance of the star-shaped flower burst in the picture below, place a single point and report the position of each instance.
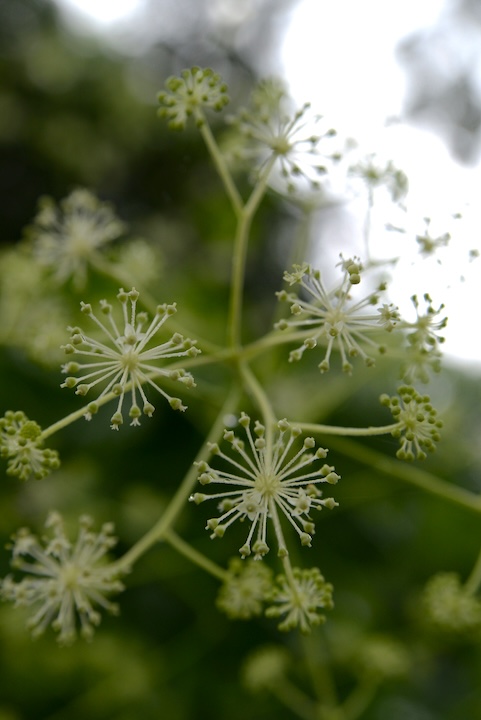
(333, 317)
(68, 237)
(270, 130)
(266, 481)
(299, 599)
(65, 579)
(126, 363)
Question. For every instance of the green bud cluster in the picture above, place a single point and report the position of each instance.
(21, 445)
(186, 95)
(417, 423)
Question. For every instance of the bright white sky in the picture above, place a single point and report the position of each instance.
(340, 56)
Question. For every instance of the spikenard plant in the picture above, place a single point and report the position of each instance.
(261, 464)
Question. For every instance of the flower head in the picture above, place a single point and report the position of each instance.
(265, 668)
(269, 129)
(242, 595)
(382, 657)
(300, 598)
(423, 353)
(22, 445)
(266, 478)
(448, 607)
(64, 580)
(417, 424)
(376, 173)
(186, 95)
(430, 242)
(67, 238)
(126, 362)
(333, 317)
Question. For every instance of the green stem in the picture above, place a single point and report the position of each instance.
(220, 165)
(294, 699)
(194, 555)
(239, 255)
(237, 280)
(473, 583)
(408, 473)
(353, 431)
(259, 395)
(315, 652)
(74, 416)
(359, 699)
(176, 505)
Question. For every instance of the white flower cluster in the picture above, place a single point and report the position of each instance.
(300, 599)
(126, 363)
(267, 479)
(269, 129)
(332, 317)
(64, 580)
(68, 237)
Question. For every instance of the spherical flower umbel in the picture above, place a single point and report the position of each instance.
(266, 480)
(126, 362)
(270, 129)
(245, 590)
(332, 317)
(300, 599)
(21, 445)
(65, 580)
(423, 353)
(417, 423)
(376, 173)
(186, 95)
(68, 237)
(447, 606)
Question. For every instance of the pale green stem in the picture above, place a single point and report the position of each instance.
(194, 555)
(322, 680)
(352, 431)
(289, 573)
(259, 395)
(408, 473)
(239, 256)
(473, 583)
(367, 223)
(220, 164)
(294, 699)
(177, 503)
(360, 699)
(74, 416)
(234, 320)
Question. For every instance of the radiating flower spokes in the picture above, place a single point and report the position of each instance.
(333, 317)
(270, 129)
(68, 237)
(267, 481)
(300, 598)
(423, 354)
(127, 361)
(64, 580)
